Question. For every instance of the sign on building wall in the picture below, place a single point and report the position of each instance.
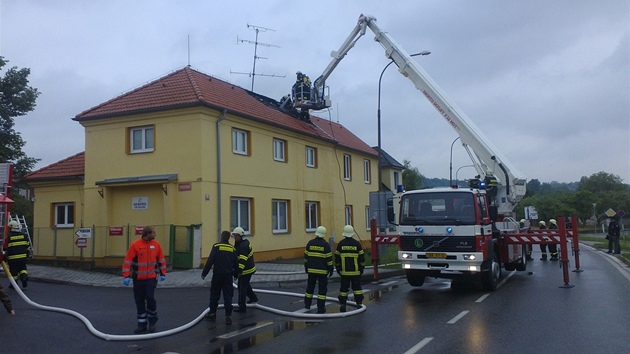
(115, 231)
(139, 203)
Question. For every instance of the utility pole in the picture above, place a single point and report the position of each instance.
(256, 43)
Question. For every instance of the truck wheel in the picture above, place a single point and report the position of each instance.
(414, 277)
(490, 278)
(521, 266)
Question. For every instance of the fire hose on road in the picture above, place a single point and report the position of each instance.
(131, 337)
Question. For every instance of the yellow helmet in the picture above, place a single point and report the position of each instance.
(553, 221)
(542, 222)
(348, 231)
(320, 232)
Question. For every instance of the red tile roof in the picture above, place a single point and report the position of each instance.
(188, 87)
(72, 167)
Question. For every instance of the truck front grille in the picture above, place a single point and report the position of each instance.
(437, 243)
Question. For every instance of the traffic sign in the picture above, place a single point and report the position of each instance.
(81, 242)
(84, 232)
(621, 213)
(610, 213)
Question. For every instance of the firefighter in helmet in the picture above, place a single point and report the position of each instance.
(543, 246)
(524, 228)
(553, 248)
(350, 262)
(318, 263)
(18, 248)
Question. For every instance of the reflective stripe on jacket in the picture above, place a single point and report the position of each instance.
(349, 257)
(144, 260)
(246, 263)
(318, 257)
(17, 246)
(222, 260)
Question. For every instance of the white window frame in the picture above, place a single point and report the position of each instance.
(347, 170)
(239, 207)
(239, 141)
(279, 150)
(67, 209)
(366, 171)
(348, 215)
(280, 216)
(147, 139)
(312, 216)
(311, 157)
(368, 218)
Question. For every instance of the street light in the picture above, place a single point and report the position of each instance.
(450, 182)
(457, 172)
(378, 114)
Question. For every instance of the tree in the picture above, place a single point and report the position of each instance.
(411, 177)
(17, 98)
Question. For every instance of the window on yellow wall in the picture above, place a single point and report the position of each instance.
(64, 214)
(280, 150)
(141, 139)
(368, 218)
(366, 171)
(311, 157)
(240, 142)
(280, 216)
(347, 170)
(312, 216)
(240, 214)
(349, 215)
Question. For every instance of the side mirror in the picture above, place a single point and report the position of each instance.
(391, 215)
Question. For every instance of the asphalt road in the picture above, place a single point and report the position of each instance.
(529, 313)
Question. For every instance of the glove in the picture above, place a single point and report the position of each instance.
(330, 273)
(305, 269)
(203, 277)
(361, 271)
(162, 277)
(126, 281)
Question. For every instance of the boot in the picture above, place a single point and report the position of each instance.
(342, 308)
(152, 328)
(140, 329)
(307, 303)
(228, 320)
(24, 279)
(544, 257)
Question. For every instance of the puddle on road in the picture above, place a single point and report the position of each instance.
(253, 334)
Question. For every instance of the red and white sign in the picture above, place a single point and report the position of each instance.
(184, 187)
(115, 231)
(139, 229)
(81, 242)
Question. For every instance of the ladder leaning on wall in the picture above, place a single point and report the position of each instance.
(24, 227)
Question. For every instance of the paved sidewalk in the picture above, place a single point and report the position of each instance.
(267, 275)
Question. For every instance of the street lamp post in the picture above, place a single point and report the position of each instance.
(450, 182)
(378, 115)
(595, 216)
(457, 172)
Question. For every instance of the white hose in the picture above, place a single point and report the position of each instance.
(121, 337)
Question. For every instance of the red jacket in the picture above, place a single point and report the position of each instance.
(144, 260)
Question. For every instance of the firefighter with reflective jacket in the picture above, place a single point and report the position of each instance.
(553, 248)
(144, 262)
(318, 263)
(18, 248)
(223, 262)
(246, 268)
(350, 262)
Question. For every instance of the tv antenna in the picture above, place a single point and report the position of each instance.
(256, 43)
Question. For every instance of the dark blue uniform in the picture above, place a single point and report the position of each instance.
(223, 259)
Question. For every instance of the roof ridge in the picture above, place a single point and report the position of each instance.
(191, 77)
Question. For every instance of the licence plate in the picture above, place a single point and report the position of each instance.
(436, 255)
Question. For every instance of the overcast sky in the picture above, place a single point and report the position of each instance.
(548, 82)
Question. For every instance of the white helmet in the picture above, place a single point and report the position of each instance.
(348, 231)
(553, 221)
(13, 225)
(238, 231)
(320, 232)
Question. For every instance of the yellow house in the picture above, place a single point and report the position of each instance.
(194, 155)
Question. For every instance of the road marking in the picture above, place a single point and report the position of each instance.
(458, 317)
(419, 346)
(483, 297)
(239, 332)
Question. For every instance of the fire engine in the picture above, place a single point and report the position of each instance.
(453, 232)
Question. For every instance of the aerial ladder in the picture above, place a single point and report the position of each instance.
(506, 183)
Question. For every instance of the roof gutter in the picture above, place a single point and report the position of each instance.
(219, 197)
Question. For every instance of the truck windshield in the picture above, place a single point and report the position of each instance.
(438, 209)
